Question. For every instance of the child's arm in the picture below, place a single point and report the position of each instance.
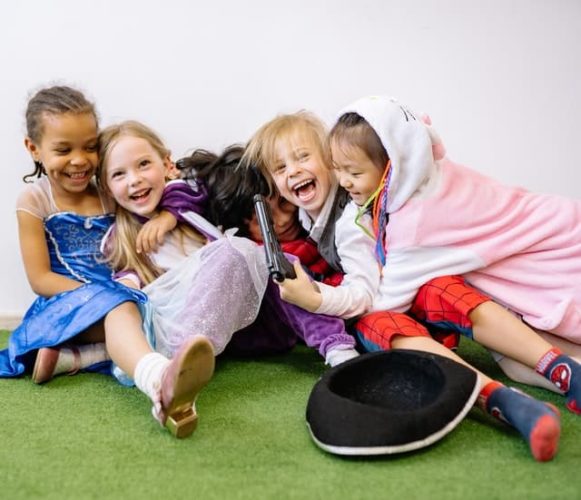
(178, 197)
(301, 291)
(34, 250)
(152, 233)
(355, 295)
(362, 274)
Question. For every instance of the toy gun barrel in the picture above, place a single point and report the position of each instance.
(278, 265)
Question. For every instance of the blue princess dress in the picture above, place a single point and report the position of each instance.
(74, 248)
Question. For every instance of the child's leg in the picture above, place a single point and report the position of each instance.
(534, 420)
(84, 350)
(92, 335)
(172, 385)
(327, 334)
(219, 293)
(537, 422)
(376, 331)
(67, 358)
(568, 347)
(523, 374)
(449, 302)
(499, 330)
(125, 339)
(446, 302)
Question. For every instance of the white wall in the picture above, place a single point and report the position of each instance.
(500, 78)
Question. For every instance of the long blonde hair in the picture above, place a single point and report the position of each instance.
(261, 149)
(121, 251)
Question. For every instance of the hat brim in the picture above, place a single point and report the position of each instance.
(389, 402)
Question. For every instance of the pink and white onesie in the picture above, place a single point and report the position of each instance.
(522, 249)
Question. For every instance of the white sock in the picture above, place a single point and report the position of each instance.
(89, 355)
(65, 361)
(93, 353)
(339, 355)
(148, 373)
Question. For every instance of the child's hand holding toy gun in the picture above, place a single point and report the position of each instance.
(295, 286)
(278, 265)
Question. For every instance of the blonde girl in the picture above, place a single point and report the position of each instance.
(62, 218)
(199, 283)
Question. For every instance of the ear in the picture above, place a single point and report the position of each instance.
(32, 149)
(171, 171)
(438, 149)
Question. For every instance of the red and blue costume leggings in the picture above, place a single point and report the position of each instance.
(442, 305)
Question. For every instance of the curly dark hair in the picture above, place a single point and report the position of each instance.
(231, 189)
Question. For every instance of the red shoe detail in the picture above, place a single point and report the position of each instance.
(544, 438)
(451, 340)
(574, 407)
(551, 355)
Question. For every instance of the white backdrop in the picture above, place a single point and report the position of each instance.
(500, 78)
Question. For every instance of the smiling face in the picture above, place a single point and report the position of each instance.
(67, 150)
(300, 173)
(355, 171)
(135, 174)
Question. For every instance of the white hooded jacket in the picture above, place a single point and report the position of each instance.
(522, 249)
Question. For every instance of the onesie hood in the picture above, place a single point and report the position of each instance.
(411, 143)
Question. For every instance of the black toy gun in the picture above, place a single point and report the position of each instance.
(278, 265)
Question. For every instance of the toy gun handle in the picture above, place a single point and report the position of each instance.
(278, 265)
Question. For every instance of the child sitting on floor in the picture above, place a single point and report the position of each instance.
(190, 282)
(292, 151)
(230, 204)
(521, 248)
(62, 218)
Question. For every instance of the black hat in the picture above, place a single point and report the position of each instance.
(389, 402)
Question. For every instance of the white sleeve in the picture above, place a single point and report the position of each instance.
(36, 199)
(130, 276)
(356, 249)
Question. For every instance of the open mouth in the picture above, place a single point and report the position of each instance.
(304, 190)
(79, 176)
(140, 195)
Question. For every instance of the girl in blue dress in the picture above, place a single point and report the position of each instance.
(62, 218)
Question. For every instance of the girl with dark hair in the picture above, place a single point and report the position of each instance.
(62, 218)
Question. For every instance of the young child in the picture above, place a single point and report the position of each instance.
(521, 248)
(62, 218)
(291, 149)
(231, 191)
(211, 289)
(230, 204)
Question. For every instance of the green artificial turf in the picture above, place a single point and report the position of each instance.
(86, 436)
